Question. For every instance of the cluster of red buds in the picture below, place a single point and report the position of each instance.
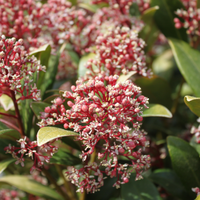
(101, 110)
(30, 149)
(118, 50)
(190, 19)
(17, 69)
(196, 190)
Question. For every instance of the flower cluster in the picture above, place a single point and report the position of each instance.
(100, 114)
(196, 190)
(118, 50)
(6, 194)
(30, 149)
(191, 18)
(17, 69)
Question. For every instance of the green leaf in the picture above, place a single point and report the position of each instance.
(26, 115)
(185, 162)
(81, 68)
(50, 74)
(4, 164)
(30, 186)
(149, 32)
(62, 157)
(193, 103)
(156, 89)
(139, 190)
(156, 110)
(122, 78)
(3, 126)
(9, 134)
(168, 179)
(104, 192)
(39, 107)
(188, 61)
(148, 14)
(163, 65)
(193, 143)
(134, 10)
(47, 134)
(164, 18)
(198, 3)
(70, 142)
(90, 7)
(6, 102)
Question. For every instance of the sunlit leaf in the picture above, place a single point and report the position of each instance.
(30, 186)
(46, 134)
(122, 78)
(193, 103)
(4, 164)
(82, 68)
(156, 110)
(6, 102)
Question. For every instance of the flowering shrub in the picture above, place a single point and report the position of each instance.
(97, 99)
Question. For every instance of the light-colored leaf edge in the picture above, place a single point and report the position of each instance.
(43, 134)
(189, 99)
(4, 164)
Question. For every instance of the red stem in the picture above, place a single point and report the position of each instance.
(17, 114)
(9, 124)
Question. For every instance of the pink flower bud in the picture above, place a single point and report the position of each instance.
(131, 145)
(84, 108)
(139, 118)
(59, 101)
(121, 150)
(126, 180)
(47, 110)
(70, 104)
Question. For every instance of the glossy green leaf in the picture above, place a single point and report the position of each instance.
(3, 126)
(188, 61)
(30, 186)
(82, 68)
(156, 110)
(149, 32)
(6, 102)
(62, 157)
(47, 134)
(185, 162)
(164, 18)
(156, 89)
(4, 164)
(148, 14)
(168, 179)
(39, 107)
(50, 74)
(9, 134)
(163, 65)
(193, 103)
(139, 190)
(122, 78)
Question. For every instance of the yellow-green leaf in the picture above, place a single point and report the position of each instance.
(4, 164)
(123, 77)
(46, 134)
(193, 103)
(30, 186)
(6, 102)
(198, 198)
(156, 110)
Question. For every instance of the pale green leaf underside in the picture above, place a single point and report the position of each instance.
(193, 103)
(156, 110)
(46, 134)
